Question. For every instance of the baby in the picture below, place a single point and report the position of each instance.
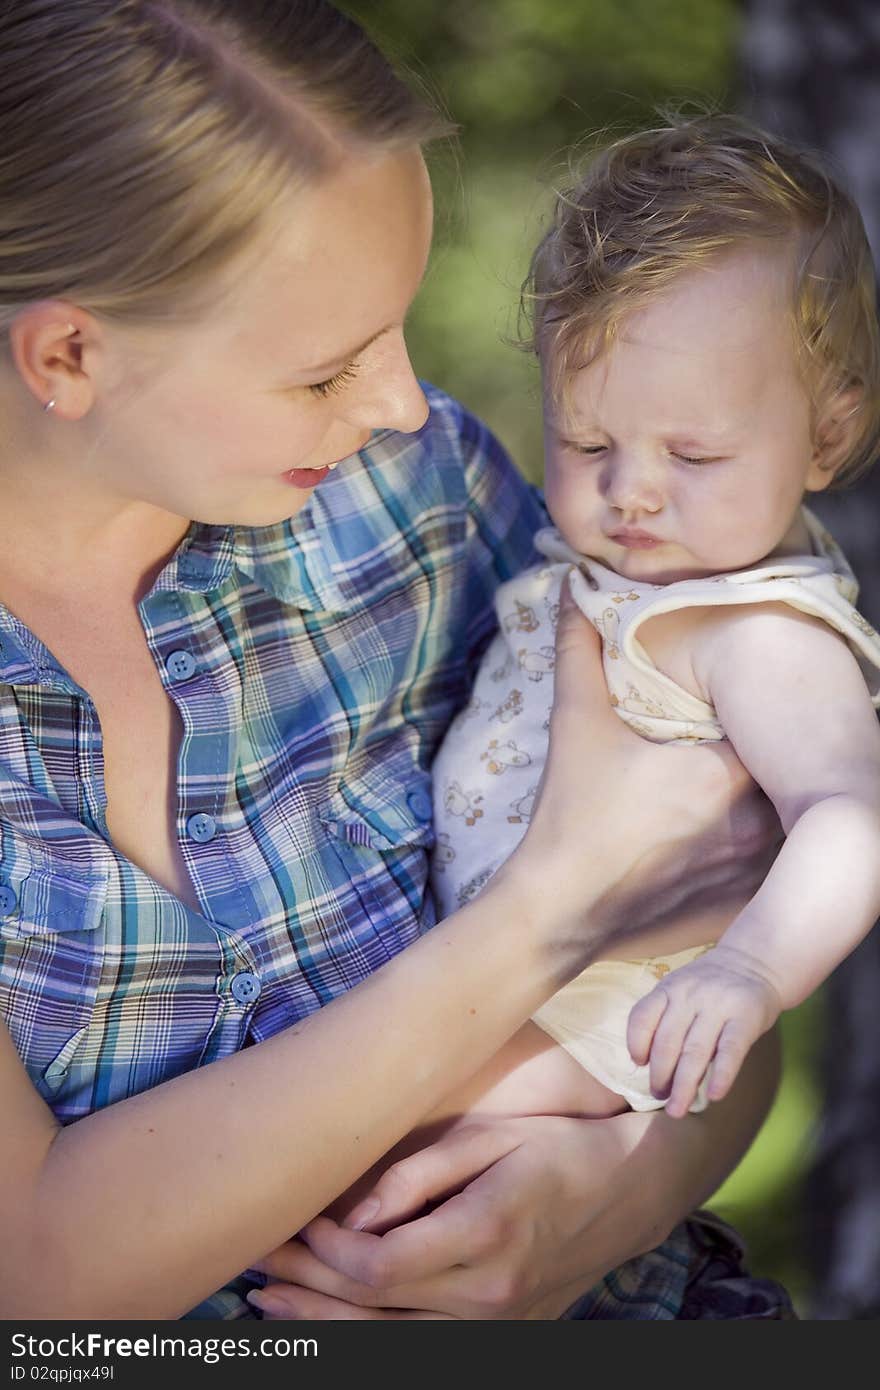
(704, 314)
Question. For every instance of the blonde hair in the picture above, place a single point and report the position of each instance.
(146, 142)
(659, 202)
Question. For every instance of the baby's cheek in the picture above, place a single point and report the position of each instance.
(574, 507)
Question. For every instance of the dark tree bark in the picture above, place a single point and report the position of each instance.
(811, 70)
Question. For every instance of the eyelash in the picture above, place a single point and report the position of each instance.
(335, 383)
(593, 450)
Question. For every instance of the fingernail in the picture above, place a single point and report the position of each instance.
(265, 1302)
(362, 1215)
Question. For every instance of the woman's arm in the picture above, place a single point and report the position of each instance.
(147, 1206)
(544, 1208)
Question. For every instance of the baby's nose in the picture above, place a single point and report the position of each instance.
(631, 485)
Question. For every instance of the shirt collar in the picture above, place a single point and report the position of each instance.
(291, 561)
(25, 661)
(306, 561)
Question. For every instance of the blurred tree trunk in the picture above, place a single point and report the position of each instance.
(811, 70)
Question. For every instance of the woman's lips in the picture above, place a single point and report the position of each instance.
(307, 477)
(310, 477)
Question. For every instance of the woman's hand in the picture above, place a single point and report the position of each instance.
(527, 1215)
(667, 829)
(526, 1231)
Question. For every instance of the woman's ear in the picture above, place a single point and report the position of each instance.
(47, 340)
(836, 430)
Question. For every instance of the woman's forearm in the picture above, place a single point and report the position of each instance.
(133, 1209)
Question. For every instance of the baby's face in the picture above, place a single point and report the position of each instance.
(687, 448)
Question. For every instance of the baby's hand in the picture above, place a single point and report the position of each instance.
(707, 1013)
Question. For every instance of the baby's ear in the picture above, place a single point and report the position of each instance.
(836, 429)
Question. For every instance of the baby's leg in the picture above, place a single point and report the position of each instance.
(531, 1075)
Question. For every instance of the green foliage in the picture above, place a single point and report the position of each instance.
(526, 80)
(522, 75)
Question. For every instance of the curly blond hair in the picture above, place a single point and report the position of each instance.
(654, 204)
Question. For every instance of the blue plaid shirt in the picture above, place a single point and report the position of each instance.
(316, 665)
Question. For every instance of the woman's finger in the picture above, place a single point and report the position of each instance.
(304, 1305)
(580, 695)
(455, 1233)
(295, 1263)
(433, 1172)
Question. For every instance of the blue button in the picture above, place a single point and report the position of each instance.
(201, 828)
(419, 802)
(180, 665)
(245, 987)
(8, 900)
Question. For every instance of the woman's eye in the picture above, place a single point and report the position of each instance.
(335, 383)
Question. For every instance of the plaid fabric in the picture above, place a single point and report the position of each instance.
(699, 1272)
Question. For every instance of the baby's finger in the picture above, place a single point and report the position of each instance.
(731, 1052)
(697, 1052)
(667, 1044)
(644, 1020)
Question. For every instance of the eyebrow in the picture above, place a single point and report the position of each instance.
(343, 357)
(578, 435)
(716, 438)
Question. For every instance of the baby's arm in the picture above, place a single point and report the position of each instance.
(793, 702)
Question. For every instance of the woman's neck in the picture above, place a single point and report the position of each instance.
(58, 541)
(67, 523)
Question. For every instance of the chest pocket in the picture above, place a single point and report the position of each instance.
(51, 950)
(379, 823)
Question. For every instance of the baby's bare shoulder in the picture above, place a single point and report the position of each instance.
(684, 644)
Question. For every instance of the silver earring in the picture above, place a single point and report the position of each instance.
(50, 405)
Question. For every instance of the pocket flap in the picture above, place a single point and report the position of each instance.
(43, 890)
(381, 810)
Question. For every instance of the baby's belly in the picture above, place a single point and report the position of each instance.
(695, 929)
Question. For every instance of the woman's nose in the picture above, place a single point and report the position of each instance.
(630, 484)
(390, 397)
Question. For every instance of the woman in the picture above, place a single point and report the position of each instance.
(226, 668)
